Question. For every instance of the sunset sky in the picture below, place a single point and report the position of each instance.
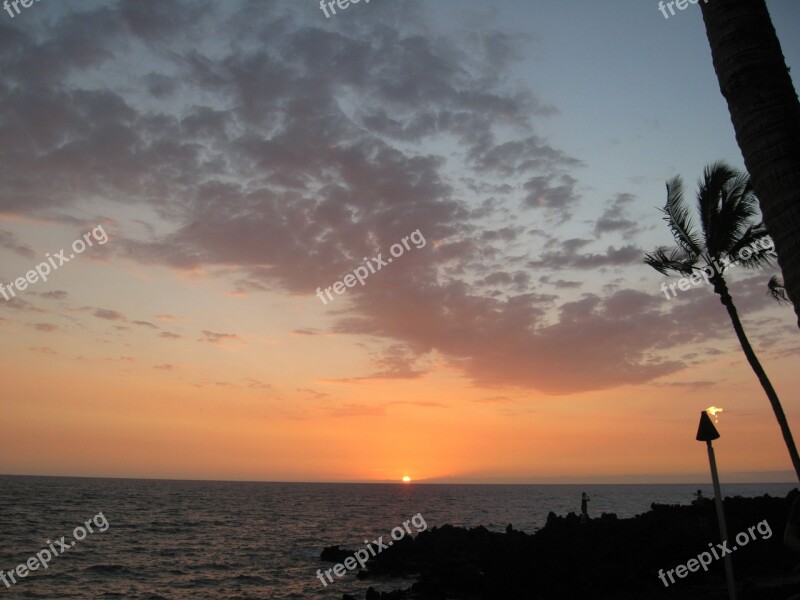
(240, 155)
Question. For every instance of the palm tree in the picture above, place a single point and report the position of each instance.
(765, 113)
(728, 206)
(777, 291)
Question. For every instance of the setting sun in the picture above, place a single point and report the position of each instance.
(406, 479)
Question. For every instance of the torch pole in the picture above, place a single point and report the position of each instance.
(723, 530)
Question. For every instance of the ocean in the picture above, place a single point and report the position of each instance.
(239, 540)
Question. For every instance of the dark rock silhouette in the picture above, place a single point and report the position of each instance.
(335, 554)
(603, 559)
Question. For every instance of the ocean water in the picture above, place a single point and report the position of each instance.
(215, 540)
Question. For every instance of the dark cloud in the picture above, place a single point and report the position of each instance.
(556, 193)
(568, 255)
(20, 305)
(54, 295)
(560, 283)
(216, 338)
(109, 315)
(595, 343)
(518, 281)
(519, 157)
(617, 217)
(287, 149)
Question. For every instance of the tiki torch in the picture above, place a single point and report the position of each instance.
(706, 432)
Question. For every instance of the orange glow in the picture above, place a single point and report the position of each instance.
(273, 405)
(406, 479)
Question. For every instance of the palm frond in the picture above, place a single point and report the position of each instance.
(676, 214)
(776, 290)
(664, 260)
(754, 238)
(738, 211)
(709, 198)
(727, 206)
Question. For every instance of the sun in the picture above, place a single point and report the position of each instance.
(406, 479)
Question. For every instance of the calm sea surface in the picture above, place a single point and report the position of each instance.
(213, 540)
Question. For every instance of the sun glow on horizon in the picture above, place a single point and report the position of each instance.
(406, 479)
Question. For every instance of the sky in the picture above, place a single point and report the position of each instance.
(231, 161)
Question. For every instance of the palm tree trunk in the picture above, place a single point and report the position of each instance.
(765, 113)
(722, 289)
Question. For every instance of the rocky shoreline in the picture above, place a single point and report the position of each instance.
(604, 558)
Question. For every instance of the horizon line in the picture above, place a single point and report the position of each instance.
(412, 482)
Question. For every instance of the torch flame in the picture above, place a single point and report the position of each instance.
(714, 411)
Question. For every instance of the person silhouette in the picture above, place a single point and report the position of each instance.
(584, 507)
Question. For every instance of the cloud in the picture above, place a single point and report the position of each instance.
(256, 384)
(616, 217)
(509, 342)
(518, 281)
(216, 338)
(560, 283)
(43, 350)
(20, 305)
(396, 363)
(108, 315)
(689, 385)
(304, 332)
(313, 393)
(279, 149)
(9, 241)
(45, 327)
(556, 193)
(520, 157)
(568, 255)
(54, 295)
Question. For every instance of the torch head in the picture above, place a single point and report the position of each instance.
(706, 431)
